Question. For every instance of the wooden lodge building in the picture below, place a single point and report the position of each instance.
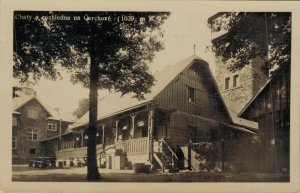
(271, 109)
(183, 122)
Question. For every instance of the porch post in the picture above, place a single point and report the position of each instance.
(74, 140)
(150, 133)
(117, 124)
(103, 138)
(81, 138)
(133, 125)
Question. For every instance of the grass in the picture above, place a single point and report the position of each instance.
(79, 175)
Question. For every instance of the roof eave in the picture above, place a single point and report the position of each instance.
(31, 100)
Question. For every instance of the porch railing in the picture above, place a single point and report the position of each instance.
(133, 146)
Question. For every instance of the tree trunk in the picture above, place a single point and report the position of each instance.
(92, 168)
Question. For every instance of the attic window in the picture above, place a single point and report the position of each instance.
(33, 113)
(191, 94)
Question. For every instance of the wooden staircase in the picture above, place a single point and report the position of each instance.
(165, 156)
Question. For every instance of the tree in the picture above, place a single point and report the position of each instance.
(254, 34)
(83, 107)
(103, 50)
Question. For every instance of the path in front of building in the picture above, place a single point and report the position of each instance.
(24, 173)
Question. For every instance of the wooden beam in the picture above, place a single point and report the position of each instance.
(150, 133)
(117, 124)
(132, 124)
(103, 132)
(82, 139)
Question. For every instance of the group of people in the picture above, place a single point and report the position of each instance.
(76, 162)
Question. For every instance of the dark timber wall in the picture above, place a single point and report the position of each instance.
(271, 108)
(207, 103)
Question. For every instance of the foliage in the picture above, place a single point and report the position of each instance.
(103, 50)
(254, 34)
(15, 91)
(122, 49)
(83, 107)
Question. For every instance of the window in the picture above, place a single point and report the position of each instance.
(191, 94)
(235, 81)
(14, 142)
(227, 80)
(15, 122)
(32, 151)
(33, 114)
(195, 95)
(32, 134)
(52, 125)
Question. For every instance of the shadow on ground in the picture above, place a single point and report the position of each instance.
(156, 177)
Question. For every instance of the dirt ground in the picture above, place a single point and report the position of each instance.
(24, 173)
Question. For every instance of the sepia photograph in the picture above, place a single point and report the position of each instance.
(151, 96)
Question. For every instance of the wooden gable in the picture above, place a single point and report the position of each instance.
(197, 80)
(35, 104)
(273, 97)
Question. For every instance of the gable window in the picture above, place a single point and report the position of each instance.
(33, 113)
(32, 151)
(14, 142)
(227, 81)
(52, 125)
(15, 122)
(191, 94)
(32, 134)
(195, 95)
(235, 81)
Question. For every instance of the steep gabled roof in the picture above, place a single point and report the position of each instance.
(114, 103)
(267, 85)
(19, 102)
(234, 109)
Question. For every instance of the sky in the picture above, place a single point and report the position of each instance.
(183, 30)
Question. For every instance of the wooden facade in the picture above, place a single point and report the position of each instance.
(271, 109)
(185, 107)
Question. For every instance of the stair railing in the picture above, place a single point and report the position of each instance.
(106, 149)
(174, 156)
